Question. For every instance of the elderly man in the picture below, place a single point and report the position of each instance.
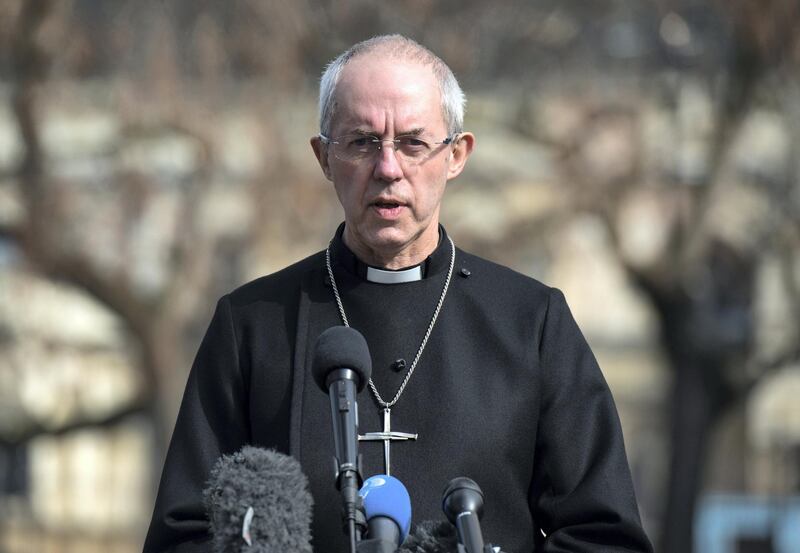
(484, 366)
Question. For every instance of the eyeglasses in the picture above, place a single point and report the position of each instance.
(410, 148)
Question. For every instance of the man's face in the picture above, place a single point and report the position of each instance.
(391, 206)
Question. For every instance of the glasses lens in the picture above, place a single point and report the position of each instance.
(355, 147)
(412, 148)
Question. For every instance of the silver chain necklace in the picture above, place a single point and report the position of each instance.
(388, 404)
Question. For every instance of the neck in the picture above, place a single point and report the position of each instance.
(393, 258)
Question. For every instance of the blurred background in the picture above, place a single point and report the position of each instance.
(643, 156)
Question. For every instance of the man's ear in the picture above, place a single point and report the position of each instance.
(321, 151)
(465, 143)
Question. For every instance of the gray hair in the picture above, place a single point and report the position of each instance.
(453, 99)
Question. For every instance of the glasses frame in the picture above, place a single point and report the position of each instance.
(450, 139)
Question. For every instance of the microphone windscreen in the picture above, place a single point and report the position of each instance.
(341, 347)
(387, 496)
(277, 490)
(431, 536)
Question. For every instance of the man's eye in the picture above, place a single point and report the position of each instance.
(411, 142)
(360, 141)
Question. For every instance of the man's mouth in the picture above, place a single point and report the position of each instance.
(388, 208)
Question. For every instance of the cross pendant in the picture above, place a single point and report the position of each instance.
(387, 437)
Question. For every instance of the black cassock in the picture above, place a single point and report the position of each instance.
(507, 392)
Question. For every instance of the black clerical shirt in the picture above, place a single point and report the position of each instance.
(507, 392)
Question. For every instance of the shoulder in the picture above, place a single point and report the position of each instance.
(278, 286)
(499, 281)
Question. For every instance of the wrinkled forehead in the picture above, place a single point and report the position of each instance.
(385, 94)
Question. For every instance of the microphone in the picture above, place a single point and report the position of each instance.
(258, 502)
(387, 506)
(431, 536)
(341, 367)
(462, 502)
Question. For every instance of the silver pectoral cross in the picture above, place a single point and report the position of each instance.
(387, 437)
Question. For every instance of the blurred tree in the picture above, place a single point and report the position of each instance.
(701, 280)
(104, 235)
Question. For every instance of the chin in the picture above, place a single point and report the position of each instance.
(388, 238)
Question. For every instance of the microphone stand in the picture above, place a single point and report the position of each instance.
(353, 516)
(337, 349)
(344, 411)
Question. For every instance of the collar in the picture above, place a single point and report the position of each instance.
(435, 263)
(399, 276)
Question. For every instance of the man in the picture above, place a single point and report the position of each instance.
(484, 365)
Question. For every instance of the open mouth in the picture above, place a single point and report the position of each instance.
(388, 208)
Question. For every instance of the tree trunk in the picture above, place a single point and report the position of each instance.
(692, 418)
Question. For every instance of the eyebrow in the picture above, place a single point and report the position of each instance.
(363, 132)
(412, 132)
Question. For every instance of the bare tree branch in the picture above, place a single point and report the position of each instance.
(85, 422)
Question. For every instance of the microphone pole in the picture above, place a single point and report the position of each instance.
(341, 384)
(342, 366)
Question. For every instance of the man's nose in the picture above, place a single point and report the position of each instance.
(387, 164)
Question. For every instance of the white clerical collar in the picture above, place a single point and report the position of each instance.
(394, 277)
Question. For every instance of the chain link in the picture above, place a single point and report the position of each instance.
(381, 401)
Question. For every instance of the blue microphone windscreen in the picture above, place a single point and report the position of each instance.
(387, 496)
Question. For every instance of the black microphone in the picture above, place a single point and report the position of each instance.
(462, 502)
(258, 502)
(341, 368)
